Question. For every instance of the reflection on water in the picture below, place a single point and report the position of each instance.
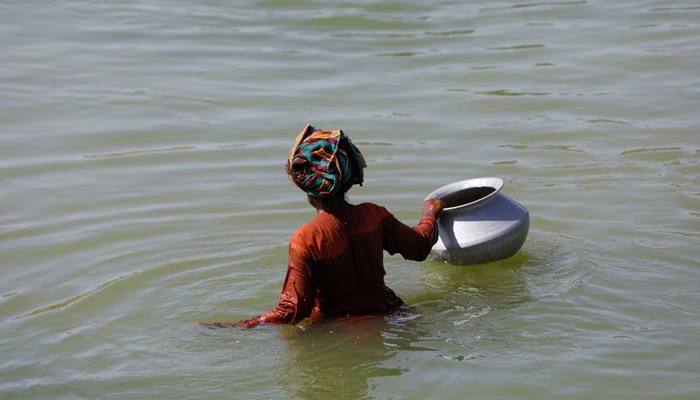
(544, 267)
(315, 371)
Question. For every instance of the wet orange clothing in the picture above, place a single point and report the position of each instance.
(336, 264)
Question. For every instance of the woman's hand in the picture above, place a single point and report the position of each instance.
(433, 208)
(245, 324)
(249, 323)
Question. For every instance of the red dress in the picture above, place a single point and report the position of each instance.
(336, 264)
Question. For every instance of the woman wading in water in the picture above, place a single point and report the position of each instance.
(335, 266)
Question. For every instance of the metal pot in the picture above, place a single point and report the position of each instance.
(478, 224)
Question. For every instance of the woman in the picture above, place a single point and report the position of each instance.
(335, 266)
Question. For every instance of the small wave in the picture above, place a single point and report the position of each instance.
(467, 357)
(643, 26)
(519, 47)
(663, 9)
(450, 33)
(485, 67)
(542, 4)
(550, 3)
(510, 162)
(665, 239)
(137, 152)
(649, 150)
(375, 144)
(509, 93)
(576, 166)
(164, 150)
(506, 92)
(471, 313)
(682, 302)
(233, 146)
(285, 51)
(400, 54)
(401, 36)
(74, 299)
(611, 121)
(542, 147)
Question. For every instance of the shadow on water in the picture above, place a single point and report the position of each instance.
(337, 359)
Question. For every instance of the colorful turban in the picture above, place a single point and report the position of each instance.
(325, 163)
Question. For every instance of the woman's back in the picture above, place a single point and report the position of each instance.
(343, 251)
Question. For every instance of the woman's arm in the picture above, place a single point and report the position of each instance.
(296, 300)
(413, 243)
(295, 303)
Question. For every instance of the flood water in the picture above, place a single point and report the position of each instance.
(142, 189)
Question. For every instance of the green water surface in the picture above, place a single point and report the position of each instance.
(142, 189)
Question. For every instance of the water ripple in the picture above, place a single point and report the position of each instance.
(664, 9)
(509, 93)
(136, 152)
(542, 147)
(74, 299)
(539, 4)
(519, 47)
(649, 150)
(451, 33)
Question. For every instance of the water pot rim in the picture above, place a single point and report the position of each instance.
(492, 182)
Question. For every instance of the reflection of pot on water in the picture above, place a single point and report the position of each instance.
(478, 224)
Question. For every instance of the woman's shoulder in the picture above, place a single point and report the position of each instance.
(311, 230)
(374, 209)
(306, 229)
(305, 237)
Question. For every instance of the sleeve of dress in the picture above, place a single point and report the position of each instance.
(413, 243)
(297, 298)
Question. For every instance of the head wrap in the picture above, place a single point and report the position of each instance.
(325, 163)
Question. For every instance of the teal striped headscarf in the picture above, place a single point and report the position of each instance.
(325, 163)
